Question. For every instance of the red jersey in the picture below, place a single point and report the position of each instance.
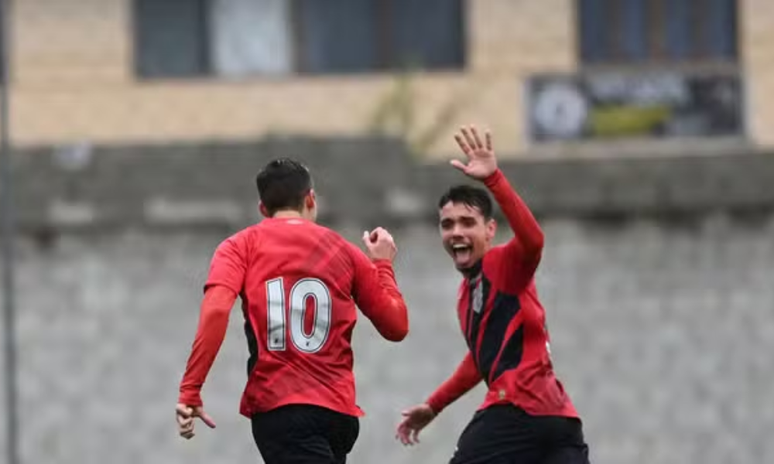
(504, 323)
(299, 284)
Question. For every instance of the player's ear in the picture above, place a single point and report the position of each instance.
(491, 229)
(310, 201)
(263, 210)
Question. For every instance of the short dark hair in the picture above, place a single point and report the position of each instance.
(283, 184)
(474, 197)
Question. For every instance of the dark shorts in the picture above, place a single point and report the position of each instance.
(304, 434)
(505, 434)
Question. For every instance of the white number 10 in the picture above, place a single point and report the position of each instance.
(301, 291)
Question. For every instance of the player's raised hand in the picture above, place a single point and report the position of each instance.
(480, 154)
(380, 244)
(414, 420)
(185, 419)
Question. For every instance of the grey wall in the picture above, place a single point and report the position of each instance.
(662, 327)
(661, 335)
(360, 180)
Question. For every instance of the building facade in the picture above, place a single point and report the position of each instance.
(164, 71)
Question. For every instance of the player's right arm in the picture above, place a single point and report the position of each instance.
(416, 418)
(464, 379)
(227, 271)
(375, 289)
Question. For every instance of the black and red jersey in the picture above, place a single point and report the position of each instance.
(504, 323)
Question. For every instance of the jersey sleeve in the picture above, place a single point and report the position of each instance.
(464, 379)
(376, 293)
(228, 265)
(515, 263)
(213, 323)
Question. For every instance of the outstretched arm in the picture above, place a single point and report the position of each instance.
(464, 379)
(416, 418)
(524, 251)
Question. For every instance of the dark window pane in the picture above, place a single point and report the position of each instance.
(591, 14)
(721, 30)
(678, 18)
(337, 35)
(171, 38)
(653, 30)
(633, 32)
(427, 33)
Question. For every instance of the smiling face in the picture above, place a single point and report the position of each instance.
(466, 225)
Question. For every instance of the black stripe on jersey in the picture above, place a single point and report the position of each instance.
(473, 320)
(504, 309)
(512, 352)
(252, 346)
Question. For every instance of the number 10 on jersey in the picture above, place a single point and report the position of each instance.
(278, 313)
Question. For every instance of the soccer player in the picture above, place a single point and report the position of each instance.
(299, 283)
(526, 416)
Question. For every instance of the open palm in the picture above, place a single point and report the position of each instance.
(414, 420)
(481, 158)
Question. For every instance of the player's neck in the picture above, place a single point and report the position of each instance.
(472, 271)
(288, 214)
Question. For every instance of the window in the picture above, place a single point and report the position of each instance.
(170, 38)
(642, 31)
(279, 37)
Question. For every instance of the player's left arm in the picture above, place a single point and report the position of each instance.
(375, 289)
(522, 254)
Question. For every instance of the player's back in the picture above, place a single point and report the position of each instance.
(299, 311)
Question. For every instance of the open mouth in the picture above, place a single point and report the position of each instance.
(461, 252)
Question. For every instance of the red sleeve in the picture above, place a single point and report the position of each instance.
(464, 379)
(522, 254)
(376, 293)
(213, 322)
(228, 265)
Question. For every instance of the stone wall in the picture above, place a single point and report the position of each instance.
(662, 336)
(362, 181)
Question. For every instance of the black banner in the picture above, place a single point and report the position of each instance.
(618, 105)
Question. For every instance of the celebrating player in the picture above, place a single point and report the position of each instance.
(299, 283)
(526, 416)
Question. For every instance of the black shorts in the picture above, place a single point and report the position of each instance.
(304, 434)
(505, 434)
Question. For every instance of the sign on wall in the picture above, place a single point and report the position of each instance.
(619, 105)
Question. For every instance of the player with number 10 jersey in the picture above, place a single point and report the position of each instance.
(300, 285)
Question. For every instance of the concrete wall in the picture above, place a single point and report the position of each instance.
(364, 181)
(662, 336)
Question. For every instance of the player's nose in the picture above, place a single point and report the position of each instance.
(455, 231)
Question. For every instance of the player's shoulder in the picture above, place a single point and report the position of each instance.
(245, 233)
(320, 230)
(494, 254)
(491, 263)
(237, 239)
(334, 239)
